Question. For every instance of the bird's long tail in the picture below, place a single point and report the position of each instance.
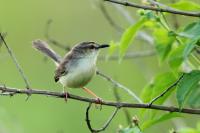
(43, 47)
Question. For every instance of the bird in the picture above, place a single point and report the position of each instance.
(77, 67)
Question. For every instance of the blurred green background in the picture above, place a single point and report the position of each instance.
(74, 21)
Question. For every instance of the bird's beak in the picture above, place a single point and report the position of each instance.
(103, 46)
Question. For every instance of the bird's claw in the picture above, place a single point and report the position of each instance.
(98, 101)
(65, 96)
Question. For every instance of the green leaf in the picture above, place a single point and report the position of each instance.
(112, 47)
(186, 5)
(190, 45)
(159, 84)
(134, 129)
(163, 42)
(194, 98)
(176, 57)
(163, 118)
(190, 130)
(192, 30)
(186, 85)
(129, 35)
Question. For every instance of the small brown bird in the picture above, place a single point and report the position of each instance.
(77, 67)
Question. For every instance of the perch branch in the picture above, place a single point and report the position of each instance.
(15, 91)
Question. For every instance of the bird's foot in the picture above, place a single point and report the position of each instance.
(98, 101)
(65, 96)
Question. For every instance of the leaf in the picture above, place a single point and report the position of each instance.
(194, 98)
(163, 42)
(134, 129)
(190, 45)
(186, 85)
(175, 58)
(112, 47)
(159, 84)
(190, 130)
(163, 118)
(186, 5)
(129, 35)
(192, 30)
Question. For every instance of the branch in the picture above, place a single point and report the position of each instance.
(1, 41)
(119, 86)
(173, 11)
(51, 40)
(142, 35)
(118, 99)
(167, 90)
(15, 62)
(109, 18)
(131, 55)
(15, 91)
(104, 126)
(154, 2)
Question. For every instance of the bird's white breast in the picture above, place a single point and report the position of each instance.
(80, 72)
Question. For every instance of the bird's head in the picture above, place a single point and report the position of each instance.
(89, 49)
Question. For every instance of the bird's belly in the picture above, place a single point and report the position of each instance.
(79, 76)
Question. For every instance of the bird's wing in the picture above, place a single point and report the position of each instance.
(63, 67)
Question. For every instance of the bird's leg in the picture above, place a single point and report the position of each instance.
(65, 94)
(98, 99)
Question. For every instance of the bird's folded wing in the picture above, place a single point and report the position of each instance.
(63, 67)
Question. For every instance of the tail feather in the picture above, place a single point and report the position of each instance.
(45, 49)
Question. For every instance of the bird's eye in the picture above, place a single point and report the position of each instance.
(92, 47)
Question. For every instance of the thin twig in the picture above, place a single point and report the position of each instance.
(175, 18)
(16, 91)
(131, 55)
(1, 41)
(51, 40)
(167, 90)
(174, 11)
(109, 18)
(141, 35)
(118, 99)
(131, 93)
(16, 62)
(153, 2)
(104, 126)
